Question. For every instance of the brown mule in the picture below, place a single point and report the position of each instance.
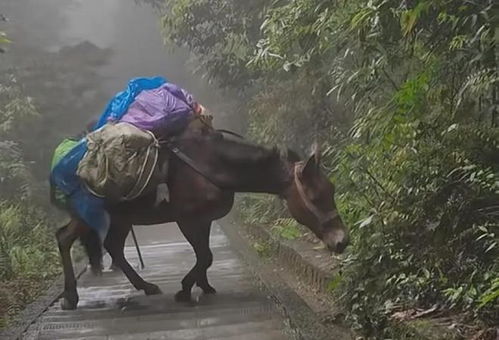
(234, 166)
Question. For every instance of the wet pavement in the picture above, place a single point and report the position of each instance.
(110, 308)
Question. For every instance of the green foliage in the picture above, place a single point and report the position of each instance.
(25, 242)
(221, 41)
(28, 257)
(28, 253)
(264, 249)
(434, 237)
(334, 283)
(403, 96)
(260, 209)
(421, 330)
(491, 295)
(15, 109)
(267, 210)
(65, 88)
(3, 38)
(286, 228)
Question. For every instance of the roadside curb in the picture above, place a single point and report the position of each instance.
(301, 317)
(318, 277)
(32, 311)
(315, 267)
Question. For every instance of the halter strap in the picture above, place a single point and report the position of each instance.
(321, 217)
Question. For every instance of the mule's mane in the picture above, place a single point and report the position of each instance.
(242, 152)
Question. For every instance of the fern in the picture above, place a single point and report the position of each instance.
(491, 296)
(286, 228)
(478, 84)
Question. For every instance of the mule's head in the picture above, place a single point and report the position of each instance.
(310, 200)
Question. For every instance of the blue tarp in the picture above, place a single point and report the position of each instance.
(81, 203)
(63, 174)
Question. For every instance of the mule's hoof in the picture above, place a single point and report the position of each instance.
(66, 304)
(209, 290)
(152, 289)
(96, 271)
(183, 296)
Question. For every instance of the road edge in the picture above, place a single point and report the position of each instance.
(303, 320)
(33, 310)
(291, 258)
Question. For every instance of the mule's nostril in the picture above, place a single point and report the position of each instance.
(336, 242)
(340, 246)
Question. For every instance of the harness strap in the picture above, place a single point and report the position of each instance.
(228, 132)
(190, 162)
(321, 217)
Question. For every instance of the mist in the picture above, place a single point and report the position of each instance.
(127, 30)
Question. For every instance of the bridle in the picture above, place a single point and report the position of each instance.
(321, 217)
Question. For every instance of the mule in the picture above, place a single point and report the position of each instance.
(201, 195)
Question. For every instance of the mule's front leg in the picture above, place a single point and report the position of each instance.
(65, 239)
(198, 235)
(115, 245)
(205, 260)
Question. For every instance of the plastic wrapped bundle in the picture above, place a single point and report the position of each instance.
(163, 111)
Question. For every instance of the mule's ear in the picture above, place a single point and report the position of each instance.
(312, 165)
(316, 153)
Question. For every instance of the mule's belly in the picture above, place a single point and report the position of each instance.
(196, 208)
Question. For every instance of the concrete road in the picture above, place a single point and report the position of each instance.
(110, 308)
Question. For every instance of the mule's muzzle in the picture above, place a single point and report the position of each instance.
(336, 241)
(339, 247)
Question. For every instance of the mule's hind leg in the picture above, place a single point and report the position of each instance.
(115, 245)
(65, 239)
(198, 235)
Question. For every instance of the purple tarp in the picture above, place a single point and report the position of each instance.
(160, 110)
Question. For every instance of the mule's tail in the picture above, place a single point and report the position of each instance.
(93, 247)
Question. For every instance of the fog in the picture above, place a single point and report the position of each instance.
(127, 30)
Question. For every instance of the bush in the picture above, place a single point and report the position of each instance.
(28, 257)
(429, 235)
(403, 97)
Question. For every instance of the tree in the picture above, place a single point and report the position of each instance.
(403, 97)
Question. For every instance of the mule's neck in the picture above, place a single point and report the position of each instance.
(251, 168)
(272, 177)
